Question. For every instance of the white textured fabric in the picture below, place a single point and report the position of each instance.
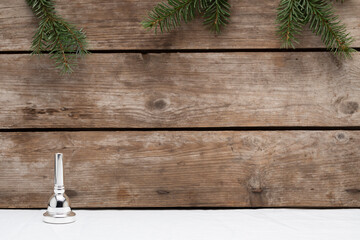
(264, 224)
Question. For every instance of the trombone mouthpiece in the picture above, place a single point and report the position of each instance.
(58, 210)
(58, 172)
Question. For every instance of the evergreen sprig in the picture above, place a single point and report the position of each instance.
(64, 42)
(291, 21)
(217, 14)
(324, 22)
(168, 15)
(294, 14)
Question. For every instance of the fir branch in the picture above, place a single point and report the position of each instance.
(217, 14)
(63, 41)
(290, 19)
(324, 22)
(294, 14)
(168, 16)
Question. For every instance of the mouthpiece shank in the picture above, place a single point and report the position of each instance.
(59, 172)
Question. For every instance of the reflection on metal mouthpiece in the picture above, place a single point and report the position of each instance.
(59, 210)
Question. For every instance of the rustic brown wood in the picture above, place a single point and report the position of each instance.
(181, 90)
(184, 169)
(114, 24)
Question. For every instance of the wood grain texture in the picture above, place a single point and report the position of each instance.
(184, 169)
(114, 24)
(181, 90)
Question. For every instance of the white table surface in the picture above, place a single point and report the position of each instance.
(289, 224)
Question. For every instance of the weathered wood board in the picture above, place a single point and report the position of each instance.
(114, 24)
(197, 168)
(181, 90)
(184, 169)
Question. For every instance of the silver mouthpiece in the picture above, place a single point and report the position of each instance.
(59, 210)
(58, 173)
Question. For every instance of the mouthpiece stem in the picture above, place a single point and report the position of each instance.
(59, 172)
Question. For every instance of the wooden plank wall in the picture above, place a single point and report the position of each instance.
(185, 119)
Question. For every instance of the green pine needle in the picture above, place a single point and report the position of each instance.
(61, 39)
(319, 14)
(325, 23)
(290, 19)
(217, 14)
(167, 16)
(292, 16)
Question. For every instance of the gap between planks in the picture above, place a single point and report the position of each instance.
(224, 50)
(196, 129)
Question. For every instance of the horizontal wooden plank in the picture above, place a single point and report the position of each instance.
(181, 90)
(184, 169)
(113, 24)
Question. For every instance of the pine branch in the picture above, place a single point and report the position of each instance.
(63, 41)
(324, 22)
(294, 14)
(217, 14)
(168, 16)
(290, 19)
